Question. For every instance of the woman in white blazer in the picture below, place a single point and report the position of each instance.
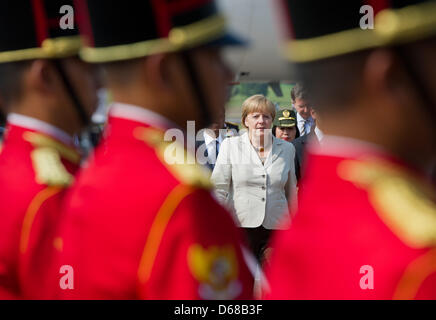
(254, 175)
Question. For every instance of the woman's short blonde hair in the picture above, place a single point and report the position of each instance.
(257, 103)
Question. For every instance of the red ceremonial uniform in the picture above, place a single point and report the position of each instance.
(365, 229)
(36, 164)
(136, 227)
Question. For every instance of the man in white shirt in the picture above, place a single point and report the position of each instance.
(315, 136)
(299, 100)
(212, 145)
(208, 148)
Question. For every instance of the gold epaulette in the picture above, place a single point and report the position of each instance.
(403, 202)
(46, 159)
(176, 158)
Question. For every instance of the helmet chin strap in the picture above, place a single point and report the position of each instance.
(428, 104)
(198, 89)
(84, 118)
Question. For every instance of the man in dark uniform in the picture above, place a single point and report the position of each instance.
(141, 222)
(366, 225)
(48, 95)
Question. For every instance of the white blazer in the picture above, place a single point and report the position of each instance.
(259, 195)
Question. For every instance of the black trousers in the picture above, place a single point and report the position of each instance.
(258, 239)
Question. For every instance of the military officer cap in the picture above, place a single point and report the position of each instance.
(33, 29)
(231, 125)
(285, 118)
(232, 128)
(324, 29)
(117, 30)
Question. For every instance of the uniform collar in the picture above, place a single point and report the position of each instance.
(30, 123)
(139, 114)
(351, 148)
(338, 146)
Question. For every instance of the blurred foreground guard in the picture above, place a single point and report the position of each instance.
(366, 228)
(48, 94)
(140, 224)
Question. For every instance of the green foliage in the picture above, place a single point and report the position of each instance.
(250, 89)
(239, 94)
